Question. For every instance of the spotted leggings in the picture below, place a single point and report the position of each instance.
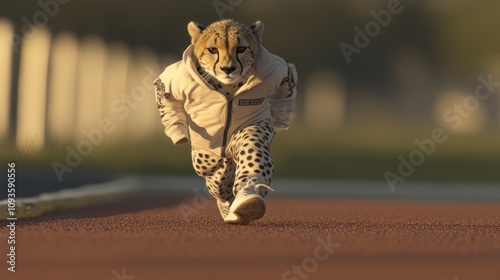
(247, 158)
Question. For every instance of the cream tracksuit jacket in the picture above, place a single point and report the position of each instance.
(191, 109)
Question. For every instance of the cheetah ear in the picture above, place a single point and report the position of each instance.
(194, 30)
(257, 28)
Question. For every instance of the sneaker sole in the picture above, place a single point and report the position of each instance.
(221, 210)
(249, 210)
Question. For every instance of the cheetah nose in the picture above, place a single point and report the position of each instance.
(228, 70)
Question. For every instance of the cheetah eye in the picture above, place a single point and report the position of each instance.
(213, 50)
(241, 49)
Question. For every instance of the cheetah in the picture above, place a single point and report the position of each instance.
(227, 97)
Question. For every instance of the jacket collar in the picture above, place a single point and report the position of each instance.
(264, 65)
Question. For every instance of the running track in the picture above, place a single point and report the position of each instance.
(149, 237)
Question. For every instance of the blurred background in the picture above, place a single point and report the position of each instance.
(375, 79)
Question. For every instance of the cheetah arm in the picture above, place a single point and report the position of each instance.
(283, 100)
(172, 114)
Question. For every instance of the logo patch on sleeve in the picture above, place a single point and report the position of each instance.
(251, 102)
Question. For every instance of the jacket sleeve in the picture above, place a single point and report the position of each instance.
(170, 105)
(283, 99)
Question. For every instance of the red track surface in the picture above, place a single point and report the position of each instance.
(147, 238)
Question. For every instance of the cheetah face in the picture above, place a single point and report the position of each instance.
(226, 49)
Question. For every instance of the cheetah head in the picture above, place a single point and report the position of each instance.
(226, 49)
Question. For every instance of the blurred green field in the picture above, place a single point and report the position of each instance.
(351, 153)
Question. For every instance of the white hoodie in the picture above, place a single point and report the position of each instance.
(182, 95)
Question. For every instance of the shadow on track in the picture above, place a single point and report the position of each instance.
(130, 205)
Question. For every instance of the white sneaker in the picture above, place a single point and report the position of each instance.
(249, 205)
(223, 208)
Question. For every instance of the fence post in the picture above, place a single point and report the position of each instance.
(144, 116)
(90, 77)
(325, 101)
(33, 92)
(118, 68)
(6, 31)
(469, 123)
(62, 89)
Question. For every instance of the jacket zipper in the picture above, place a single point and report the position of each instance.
(226, 128)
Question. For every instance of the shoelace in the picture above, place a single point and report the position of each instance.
(252, 182)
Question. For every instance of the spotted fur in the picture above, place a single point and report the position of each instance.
(248, 157)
